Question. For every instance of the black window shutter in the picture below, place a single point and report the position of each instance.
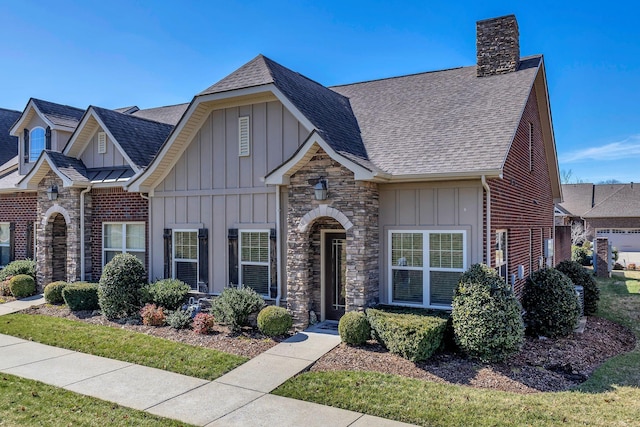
(12, 241)
(233, 256)
(203, 258)
(273, 264)
(47, 134)
(25, 154)
(30, 248)
(167, 253)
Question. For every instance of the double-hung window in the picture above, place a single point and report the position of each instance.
(185, 257)
(501, 254)
(5, 243)
(255, 260)
(425, 266)
(37, 139)
(119, 237)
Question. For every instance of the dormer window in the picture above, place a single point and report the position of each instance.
(37, 140)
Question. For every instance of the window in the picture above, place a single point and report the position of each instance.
(36, 143)
(244, 139)
(425, 266)
(255, 260)
(120, 238)
(501, 254)
(185, 257)
(530, 146)
(5, 243)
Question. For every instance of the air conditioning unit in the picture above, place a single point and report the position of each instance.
(580, 294)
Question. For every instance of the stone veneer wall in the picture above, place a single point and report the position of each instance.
(68, 202)
(315, 258)
(358, 202)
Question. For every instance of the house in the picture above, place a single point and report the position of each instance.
(605, 210)
(323, 199)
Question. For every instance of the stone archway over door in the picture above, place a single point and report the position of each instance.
(58, 248)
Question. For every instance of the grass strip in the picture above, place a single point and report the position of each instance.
(26, 402)
(121, 344)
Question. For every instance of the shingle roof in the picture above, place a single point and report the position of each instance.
(441, 122)
(127, 110)
(58, 114)
(8, 143)
(170, 114)
(580, 198)
(71, 167)
(623, 201)
(139, 138)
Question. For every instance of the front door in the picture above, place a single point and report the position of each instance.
(335, 274)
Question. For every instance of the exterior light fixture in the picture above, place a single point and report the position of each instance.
(321, 189)
(52, 192)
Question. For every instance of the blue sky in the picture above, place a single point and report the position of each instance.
(150, 53)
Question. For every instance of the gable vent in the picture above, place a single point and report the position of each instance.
(243, 136)
(102, 142)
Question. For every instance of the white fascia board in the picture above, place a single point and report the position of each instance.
(20, 123)
(9, 165)
(447, 176)
(77, 131)
(25, 183)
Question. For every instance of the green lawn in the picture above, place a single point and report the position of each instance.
(31, 403)
(610, 397)
(121, 344)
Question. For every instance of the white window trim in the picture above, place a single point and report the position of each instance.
(244, 144)
(505, 254)
(426, 277)
(174, 259)
(241, 263)
(44, 144)
(8, 244)
(123, 248)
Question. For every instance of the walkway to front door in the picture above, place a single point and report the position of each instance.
(335, 272)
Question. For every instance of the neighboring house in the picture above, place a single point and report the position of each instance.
(326, 199)
(605, 210)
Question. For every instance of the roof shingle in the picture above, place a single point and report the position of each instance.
(58, 114)
(8, 143)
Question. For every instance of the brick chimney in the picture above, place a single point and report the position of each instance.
(497, 46)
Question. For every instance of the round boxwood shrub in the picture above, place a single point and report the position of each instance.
(550, 303)
(354, 328)
(167, 293)
(53, 292)
(485, 315)
(22, 286)
(22, 266)
(81, 296)
(274, 321)
(234, 306)
(119, 288)
(581, 277)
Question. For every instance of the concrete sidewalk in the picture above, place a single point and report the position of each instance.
(238, 398)
(21, 304)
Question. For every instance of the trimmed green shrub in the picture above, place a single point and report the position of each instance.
(581, 277)
(581, 255)
(274, 321)
(203, 323)
(22, 286)
(486, 317)
(179, 319)
(234, 306)
(411, 336)
(120, 287)
(22, 266)
(152, 315)
(354, 328)
(53, 292)
(167, 293)
(81, 296)
(550, 303)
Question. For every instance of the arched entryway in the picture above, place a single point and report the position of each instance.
(58, 252)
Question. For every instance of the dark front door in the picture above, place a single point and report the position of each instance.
(335, 274)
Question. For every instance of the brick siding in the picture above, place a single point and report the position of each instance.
(113, 205)
(522, 201)
(19, 208)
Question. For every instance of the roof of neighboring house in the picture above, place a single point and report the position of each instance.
(577, 198)
(140, 138)
(58, 114)
(127, 110)
(8, 143)
(171, 114)
(622, 201)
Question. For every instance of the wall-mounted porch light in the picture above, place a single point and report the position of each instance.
(52, 192)
(321, 189)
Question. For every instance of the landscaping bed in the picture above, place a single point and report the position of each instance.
(248, 343)
(542, 365)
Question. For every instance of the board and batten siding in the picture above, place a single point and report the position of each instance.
(211, 186)
(430, 206)
(92, 159)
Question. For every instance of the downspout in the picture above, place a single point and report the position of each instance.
(150, 245)
(488, 219)
(278, 248)
(82, 231)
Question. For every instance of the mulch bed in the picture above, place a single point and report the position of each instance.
(542, 365)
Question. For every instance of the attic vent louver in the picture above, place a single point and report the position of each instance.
(243, 136)
(102, 142)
